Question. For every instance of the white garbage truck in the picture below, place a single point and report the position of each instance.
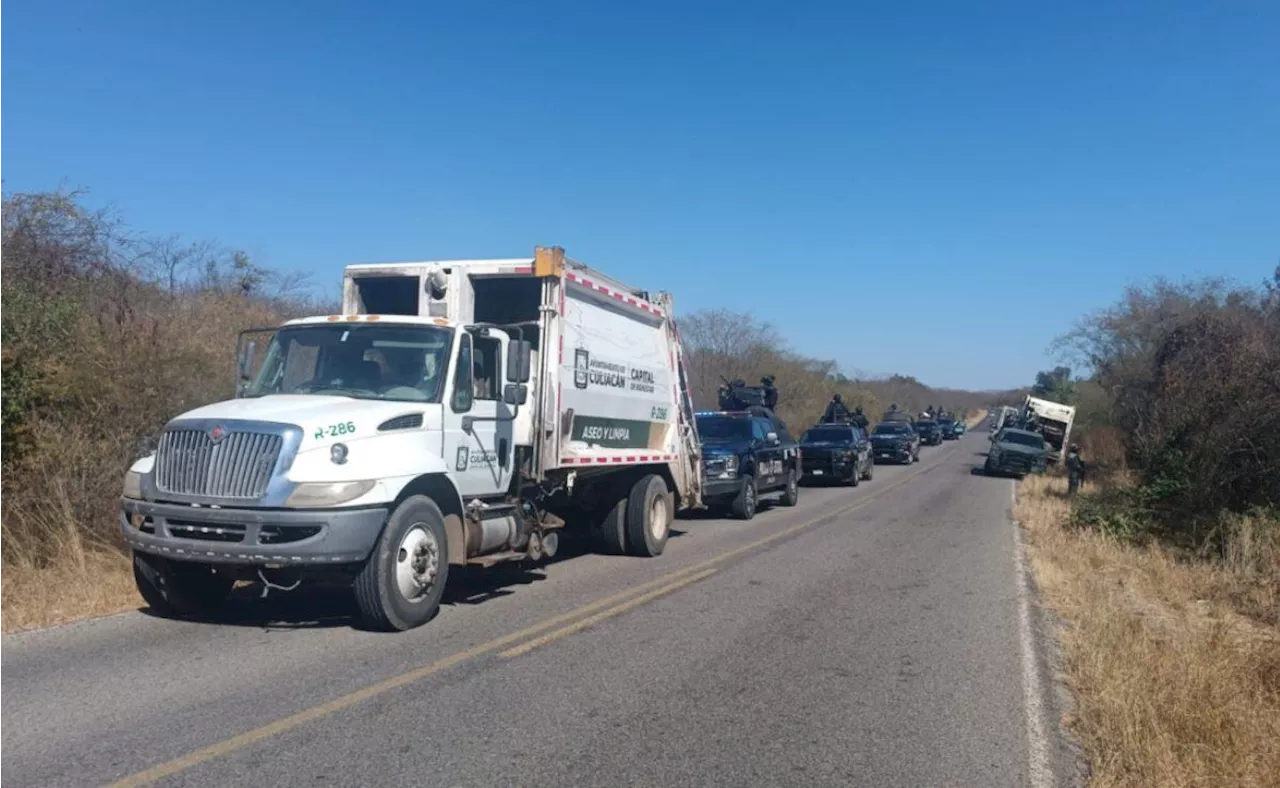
(1054, 421)
(455, 413)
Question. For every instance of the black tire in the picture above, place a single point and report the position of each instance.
(791, 493)
(383, 604)
(987, 470)
(856, 478)
(871, 469)
(650, 507)
(748, 498)
(611, 531)
(180, 588)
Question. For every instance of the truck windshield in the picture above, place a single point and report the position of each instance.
(827, 436)
(385, 362)
(1023, 439)
(892, 429)
(721, 430)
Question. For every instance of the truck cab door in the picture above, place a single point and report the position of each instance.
(769, 471)
(477, 445)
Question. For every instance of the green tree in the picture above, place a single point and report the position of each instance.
(1055, 384)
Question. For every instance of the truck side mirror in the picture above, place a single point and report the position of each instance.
(244, 364)
(515, 394)
(519, 352)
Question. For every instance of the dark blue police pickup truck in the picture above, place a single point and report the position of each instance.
(747, 454)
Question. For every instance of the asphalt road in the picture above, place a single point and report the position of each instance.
(868, 636)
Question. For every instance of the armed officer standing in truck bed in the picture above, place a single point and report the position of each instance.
(836, 411)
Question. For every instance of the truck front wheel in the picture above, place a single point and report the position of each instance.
(650, 509)
(401, 584)
(180, 587)
(744, 505)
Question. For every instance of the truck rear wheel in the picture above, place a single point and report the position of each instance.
(611, 531)
(401, 584)
(180, 587)
(650, 509)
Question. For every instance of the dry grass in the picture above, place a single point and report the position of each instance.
(1175, 673)
(975, 419)
(96, 583)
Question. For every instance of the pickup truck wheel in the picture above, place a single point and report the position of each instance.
(871, 465)
(791, 493)
(856, 477)
(744, 506)
(650, 508)
(180, 587)
(400, 585)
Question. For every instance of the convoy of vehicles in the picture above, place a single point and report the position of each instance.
(460, 413)
(838, 453)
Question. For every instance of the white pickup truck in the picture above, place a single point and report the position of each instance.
(456, 412)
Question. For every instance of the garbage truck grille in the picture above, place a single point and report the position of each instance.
(236, 465)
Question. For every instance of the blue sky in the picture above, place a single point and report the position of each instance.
(888, 185)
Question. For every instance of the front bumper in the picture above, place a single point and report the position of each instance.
(828, 466)
(718, 489)
(251, 536)
(1017, 465)
(893, 452)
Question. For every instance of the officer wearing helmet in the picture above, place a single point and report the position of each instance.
(836, 410)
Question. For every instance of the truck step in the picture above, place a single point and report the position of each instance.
(491, 559)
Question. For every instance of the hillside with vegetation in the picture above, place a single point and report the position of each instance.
(722, 345)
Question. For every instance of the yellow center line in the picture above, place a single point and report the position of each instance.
(657, 587)
(578, 626)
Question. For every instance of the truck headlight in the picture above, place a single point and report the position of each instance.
(314, 494)
(132, 485)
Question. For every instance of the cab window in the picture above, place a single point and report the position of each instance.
(485, 363)
(463, 393)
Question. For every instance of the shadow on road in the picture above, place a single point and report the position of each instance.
(321, 605)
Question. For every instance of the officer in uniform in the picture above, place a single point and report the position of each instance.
(1075, 469)
(836, 411)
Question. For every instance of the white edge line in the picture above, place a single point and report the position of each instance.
(1033, 692)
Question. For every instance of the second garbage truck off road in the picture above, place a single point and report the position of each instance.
(455, 413)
